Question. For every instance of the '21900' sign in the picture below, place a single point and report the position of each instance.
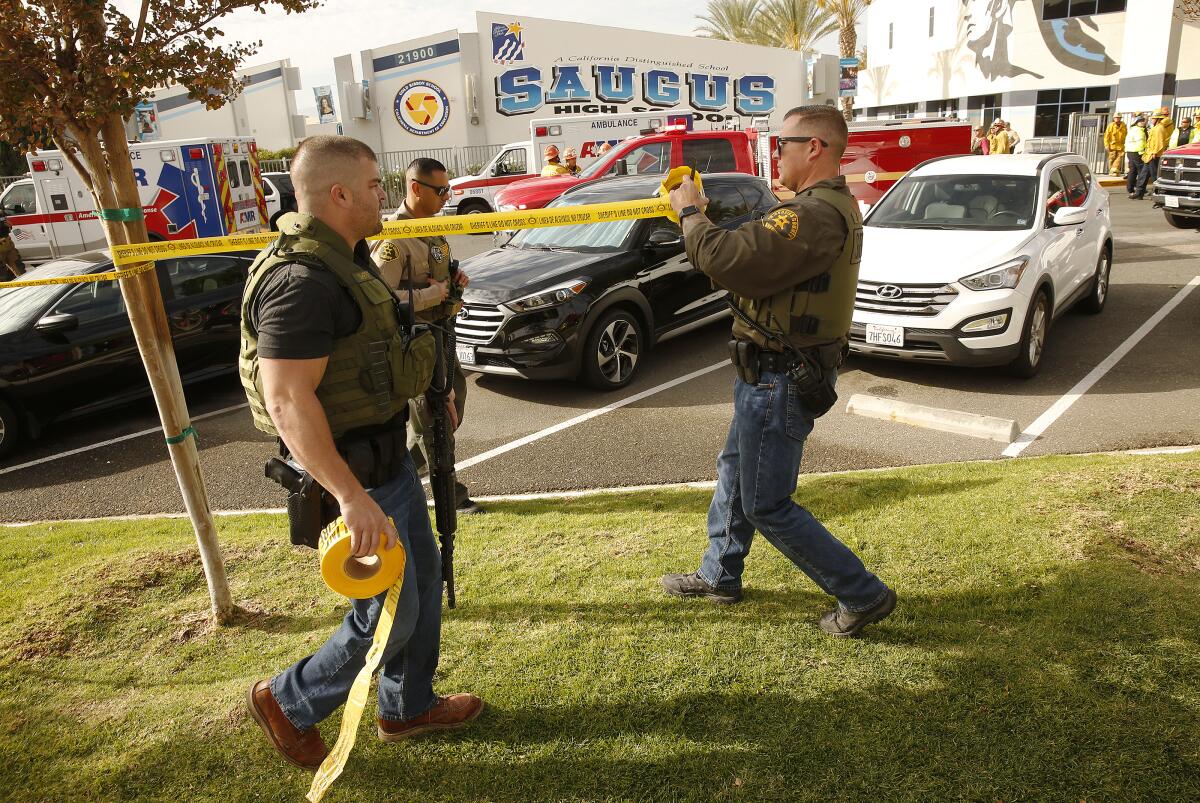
(422, 108)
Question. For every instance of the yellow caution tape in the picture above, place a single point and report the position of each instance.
(112, 275)
(139, 253)
(359, 579)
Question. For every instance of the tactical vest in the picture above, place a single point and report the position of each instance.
(373, 372)
(819, 310)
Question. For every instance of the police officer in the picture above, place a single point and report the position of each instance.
(793, 278)
(329, 363)
(422, 265)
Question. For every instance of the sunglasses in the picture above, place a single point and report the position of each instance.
(779, 142)
(439, 190)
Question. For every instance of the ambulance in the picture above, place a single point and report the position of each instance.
(189, 188)
(587, 134)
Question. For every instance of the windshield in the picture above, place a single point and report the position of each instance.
(19, 306)
(992, 203)
(607, 236)
(594, 169)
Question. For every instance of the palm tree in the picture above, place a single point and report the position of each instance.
(733, 20)
(847, 13)
(796, 24)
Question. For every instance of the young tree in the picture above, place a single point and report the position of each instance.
(71, 71)
(847, 13)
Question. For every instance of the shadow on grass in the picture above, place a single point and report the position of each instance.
(1076, 687)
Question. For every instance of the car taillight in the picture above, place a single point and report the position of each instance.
(39, 166)
(195, 153)
(459, 192)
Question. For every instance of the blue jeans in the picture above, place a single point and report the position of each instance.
(316, 686)
(756, 476)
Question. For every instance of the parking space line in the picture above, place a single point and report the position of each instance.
(579, 419)
(1084, 385)
(110, 441)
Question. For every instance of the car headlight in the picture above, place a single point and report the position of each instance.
(550, 297)
(1001, 277)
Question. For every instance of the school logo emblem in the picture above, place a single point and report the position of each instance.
(783, 222)
(422, 108)
(508, 43)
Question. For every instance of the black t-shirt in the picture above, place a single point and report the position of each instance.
(299, 311)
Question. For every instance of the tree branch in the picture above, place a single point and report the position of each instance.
(137, 36)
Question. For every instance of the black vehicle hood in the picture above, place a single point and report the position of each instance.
(505, 274)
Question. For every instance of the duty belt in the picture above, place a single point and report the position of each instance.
(829, 356)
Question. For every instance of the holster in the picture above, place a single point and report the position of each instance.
(309, 508)
(744, 356)
(813, 385)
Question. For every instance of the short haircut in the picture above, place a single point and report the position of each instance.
(322, 161)
(825, 122)
(424, 167)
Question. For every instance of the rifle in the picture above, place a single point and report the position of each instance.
(441, 457)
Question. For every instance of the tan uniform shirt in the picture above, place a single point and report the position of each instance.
(797, 240)
(414, 258)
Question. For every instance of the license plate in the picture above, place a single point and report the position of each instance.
(1171, 201)
(885, 335)
(466, 354)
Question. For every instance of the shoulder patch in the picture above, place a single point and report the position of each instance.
(783, 222)
(387, 251)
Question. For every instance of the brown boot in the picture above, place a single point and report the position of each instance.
(448, 713)
(303, 748)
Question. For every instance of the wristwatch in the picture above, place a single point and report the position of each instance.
(691, 209)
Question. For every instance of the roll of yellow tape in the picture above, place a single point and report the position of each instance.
(673, 180)
(357, 578)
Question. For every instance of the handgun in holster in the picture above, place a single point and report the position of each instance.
(307, 509)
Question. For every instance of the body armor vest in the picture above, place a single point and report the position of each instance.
(819, 310)
(373, 372)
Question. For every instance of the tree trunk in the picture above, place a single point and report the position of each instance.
(848, 41)
(144, 303)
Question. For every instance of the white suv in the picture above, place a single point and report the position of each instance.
(968, 259)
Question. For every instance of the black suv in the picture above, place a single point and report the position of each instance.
(557, 303)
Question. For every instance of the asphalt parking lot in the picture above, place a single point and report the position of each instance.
(675, 423)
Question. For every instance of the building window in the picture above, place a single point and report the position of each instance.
(984, 108)
(931, 21)
(890, 27)
(1055, 106)
(904, 111)
(1061, 9)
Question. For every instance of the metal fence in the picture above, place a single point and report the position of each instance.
(275, 165)
(6, 180)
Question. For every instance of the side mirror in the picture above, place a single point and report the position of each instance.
(664, 238)
(1070, 216)
(56, 322)
(497, 170)
(17, 209)
(621, 168)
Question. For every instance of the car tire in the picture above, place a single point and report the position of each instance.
(10, 429)
(1182, 221)
(612, 350)
(274, 224)
(475, 208)
(1093, 304)
(1033, 336)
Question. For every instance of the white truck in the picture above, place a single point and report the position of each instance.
(586, 134)
(189, 188)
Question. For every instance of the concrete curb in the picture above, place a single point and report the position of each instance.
(1001, 430)
(625, 489)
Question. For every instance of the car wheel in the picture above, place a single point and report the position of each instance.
(1094, 302)
(475, 208)
(1033, 337)
(274, 224)
(10, 429)
(1182, 221)
(612, 350)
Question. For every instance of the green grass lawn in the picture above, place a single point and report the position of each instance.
(1045, 647)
